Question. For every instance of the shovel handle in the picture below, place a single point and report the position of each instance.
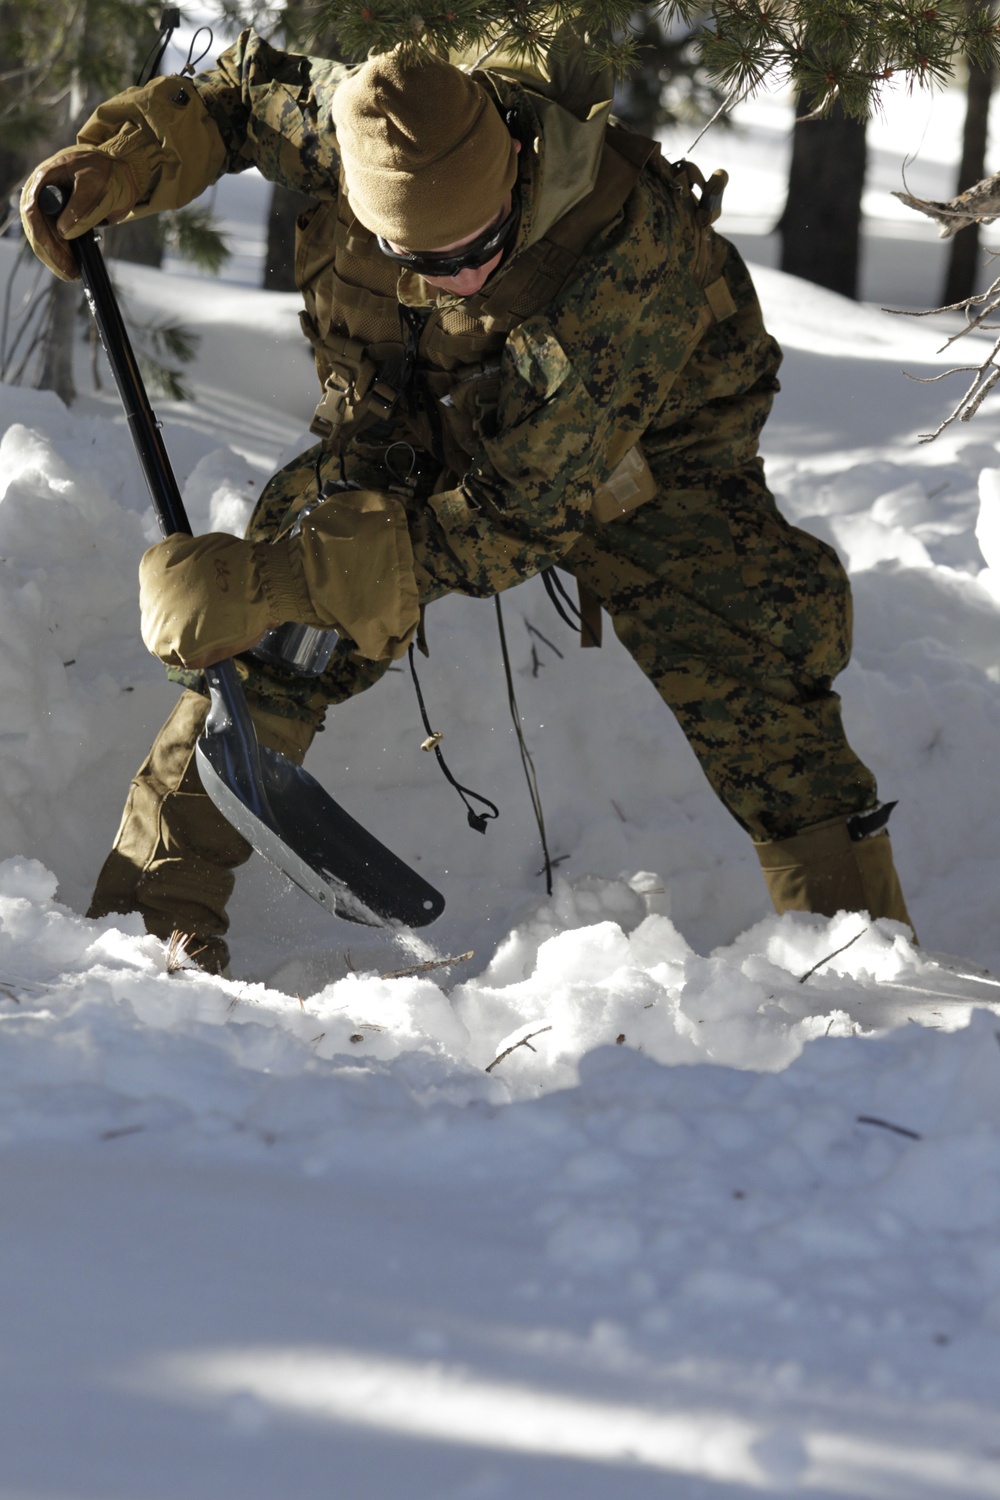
(143, 425)
(228, 705)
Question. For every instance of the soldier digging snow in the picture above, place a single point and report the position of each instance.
(534, 352)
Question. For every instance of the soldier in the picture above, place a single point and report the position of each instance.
(534, 351)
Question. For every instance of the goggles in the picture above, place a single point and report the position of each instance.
(468, 257)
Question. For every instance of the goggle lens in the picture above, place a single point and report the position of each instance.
(469, 258)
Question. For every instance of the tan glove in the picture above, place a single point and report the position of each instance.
(202, 599)
(349, 569)
(144, 150)
(102, 190)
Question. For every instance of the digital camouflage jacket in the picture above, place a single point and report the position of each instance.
(532, 396)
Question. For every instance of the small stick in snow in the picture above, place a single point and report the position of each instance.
(524, 1042)
(532, 630)
(178, 951)
(912, 1135)
(432, 963)
(810, 972)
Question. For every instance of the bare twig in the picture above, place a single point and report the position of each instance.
(524, 1042)
(243, 997)
(431, 963)
(7, 986)
(978, 309)
(730, 102)
(810, 972)
(116, 1134)
(494, 47)
(533, 630)
(912, 1135)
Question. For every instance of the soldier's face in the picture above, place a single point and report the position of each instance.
(467, 282)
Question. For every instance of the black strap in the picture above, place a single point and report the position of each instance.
(561, 603)
(863, 824)
(477, 820)
(526, 761)
(169, 22)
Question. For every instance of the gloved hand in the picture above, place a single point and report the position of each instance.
(350, 569)
(202, 599)
(102, 190)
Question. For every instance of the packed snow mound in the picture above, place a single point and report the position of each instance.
(591, 968)
(771, 1267)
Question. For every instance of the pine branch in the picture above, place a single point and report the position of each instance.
(192, 235)
(156, 344)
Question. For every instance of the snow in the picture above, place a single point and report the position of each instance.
(656, 1192)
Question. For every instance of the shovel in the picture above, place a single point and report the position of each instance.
(277, 806)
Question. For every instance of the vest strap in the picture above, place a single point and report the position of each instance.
(542, 270)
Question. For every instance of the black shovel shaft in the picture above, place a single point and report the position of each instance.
(145, 429)
(151, 452)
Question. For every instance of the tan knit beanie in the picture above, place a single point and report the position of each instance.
(427, 158)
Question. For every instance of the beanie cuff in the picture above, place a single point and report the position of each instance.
(427, 157)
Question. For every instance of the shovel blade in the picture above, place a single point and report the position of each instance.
(293, 822)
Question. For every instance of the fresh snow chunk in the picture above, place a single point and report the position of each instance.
(27, 878)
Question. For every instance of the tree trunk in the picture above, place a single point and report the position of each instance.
(820, 227)
(965, 260)
(13, 169)
(60, 337)
(279, 263)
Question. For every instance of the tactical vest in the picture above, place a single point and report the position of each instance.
(434, 370)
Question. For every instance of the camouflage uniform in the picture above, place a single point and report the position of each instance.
(740, 620)
(505, 421)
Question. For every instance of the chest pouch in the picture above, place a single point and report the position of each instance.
(353, 392)
(470, 404)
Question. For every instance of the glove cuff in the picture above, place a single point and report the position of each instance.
(278, 566)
